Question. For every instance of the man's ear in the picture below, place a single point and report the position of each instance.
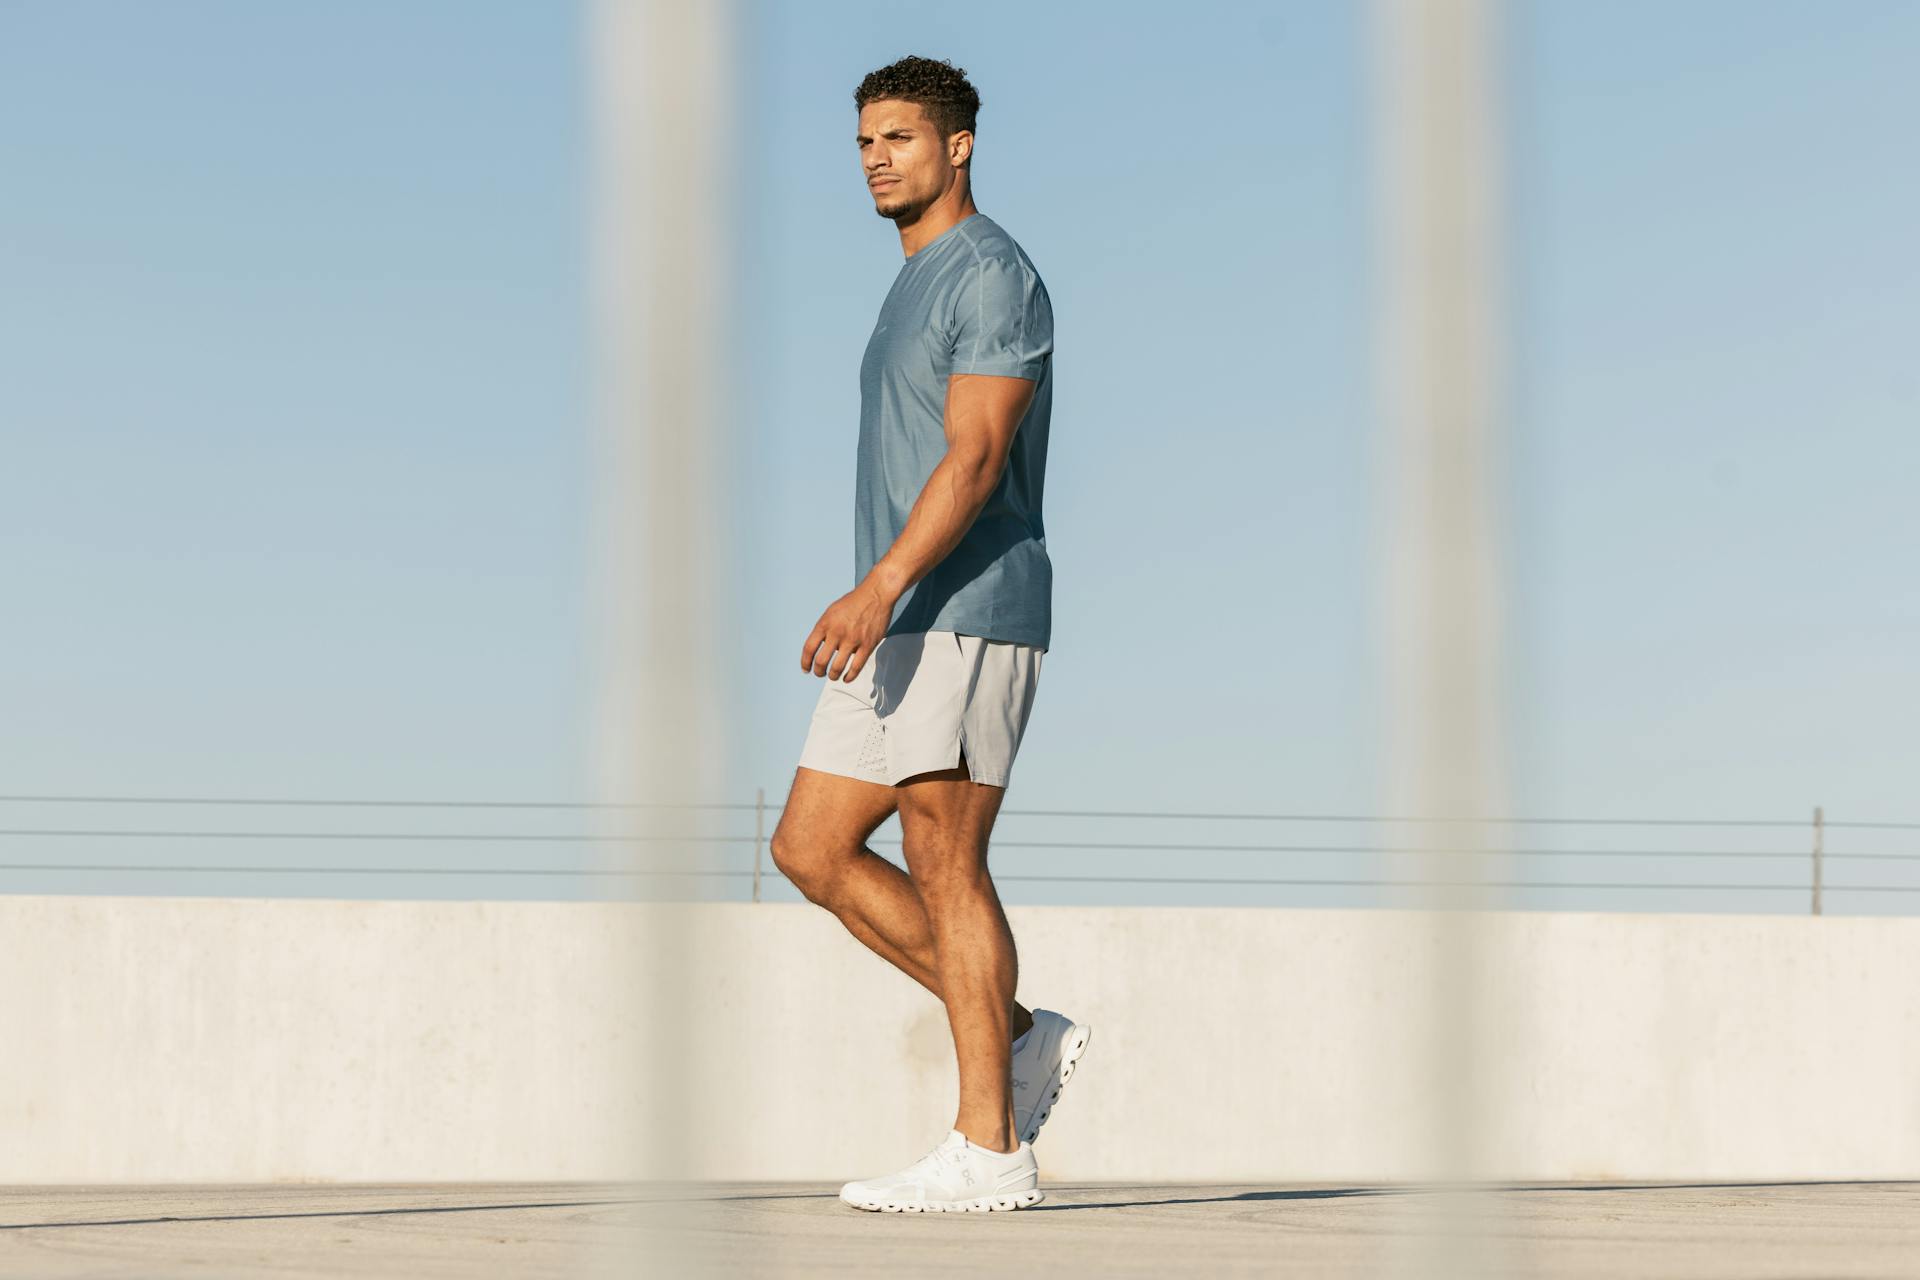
(960, 148)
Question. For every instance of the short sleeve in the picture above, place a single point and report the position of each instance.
(1002, 320)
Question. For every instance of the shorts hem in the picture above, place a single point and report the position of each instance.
(846, 771)
(840, 771)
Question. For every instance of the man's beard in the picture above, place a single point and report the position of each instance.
(905, 211)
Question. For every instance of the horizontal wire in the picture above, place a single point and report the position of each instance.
(1470, 884)
(1800, 856)
(507, 838)
(368, 871)
(1097, 879)
(284, 802)
(1497, 822)
(741, 806)
(535, 838)
(1874, 826)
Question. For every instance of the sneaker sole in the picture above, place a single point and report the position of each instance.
(986, 1204)
(1070, 1053)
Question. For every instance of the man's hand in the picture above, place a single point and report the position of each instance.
(844, 638)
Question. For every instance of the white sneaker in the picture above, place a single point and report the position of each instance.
(954, 1177)
(1043, 1063)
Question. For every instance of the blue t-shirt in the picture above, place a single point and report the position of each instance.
(969, 301)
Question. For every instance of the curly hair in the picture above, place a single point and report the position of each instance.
(937, 87)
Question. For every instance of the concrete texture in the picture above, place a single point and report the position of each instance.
(248, 1040)
(1549, 1232)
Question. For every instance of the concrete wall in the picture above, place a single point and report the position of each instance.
(247, 1040)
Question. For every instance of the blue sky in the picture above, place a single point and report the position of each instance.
(294, 393)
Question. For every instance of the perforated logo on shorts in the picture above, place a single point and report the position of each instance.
(873, 752)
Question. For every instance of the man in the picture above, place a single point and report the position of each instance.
(932, 659)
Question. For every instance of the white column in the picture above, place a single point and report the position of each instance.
(1439, 367)
(664, 242)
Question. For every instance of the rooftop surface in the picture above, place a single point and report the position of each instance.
(418, 1231)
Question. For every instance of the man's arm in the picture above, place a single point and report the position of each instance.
(982, 413)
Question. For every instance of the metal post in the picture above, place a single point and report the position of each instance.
(759, 825)
(1819, 843)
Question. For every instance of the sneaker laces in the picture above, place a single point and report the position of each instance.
(940, 1155)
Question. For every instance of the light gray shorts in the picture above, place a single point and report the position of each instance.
(922, 701)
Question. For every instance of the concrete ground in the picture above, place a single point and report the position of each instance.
(1775, 1230)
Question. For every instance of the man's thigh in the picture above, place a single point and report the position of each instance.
(946, 818)
(831, 815)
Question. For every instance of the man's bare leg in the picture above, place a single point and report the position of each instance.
(820, 845)
(945, 819)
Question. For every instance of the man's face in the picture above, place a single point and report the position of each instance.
(906, 162)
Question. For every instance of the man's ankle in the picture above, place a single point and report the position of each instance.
(1001, 1142)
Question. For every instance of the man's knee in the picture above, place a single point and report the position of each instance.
(812, 865)
(800, 862)
(823, 829)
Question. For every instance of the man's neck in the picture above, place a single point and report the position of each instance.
(936, 219)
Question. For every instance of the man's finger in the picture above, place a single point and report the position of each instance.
(825, 655)
(855, 660)
(849, 663)
(806, 650)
